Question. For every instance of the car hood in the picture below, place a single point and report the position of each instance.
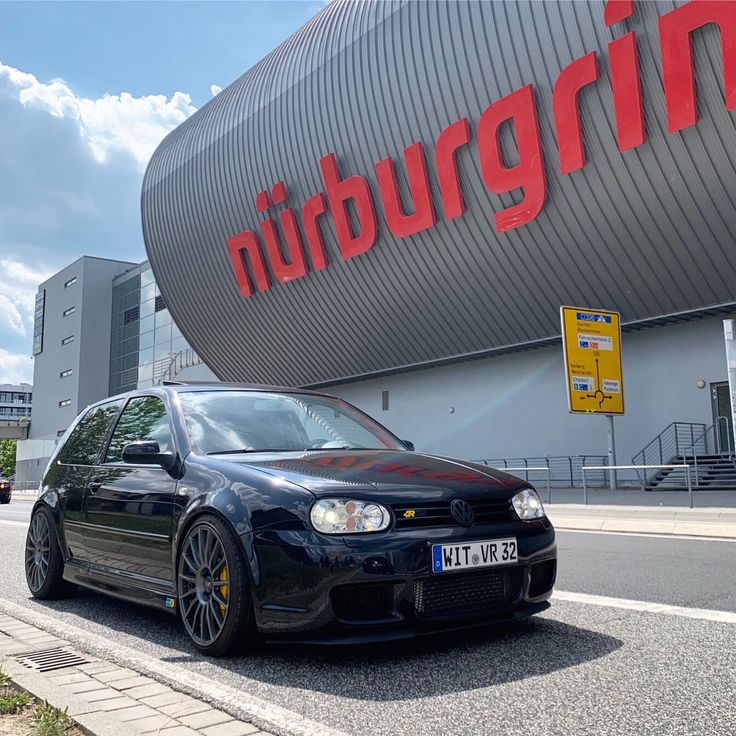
(390, 475)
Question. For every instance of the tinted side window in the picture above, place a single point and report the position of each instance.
(85, 442)
(143, 418)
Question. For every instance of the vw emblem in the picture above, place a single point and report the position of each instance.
(463, 512)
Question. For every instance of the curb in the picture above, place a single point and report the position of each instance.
(697, 529)
(105, 699)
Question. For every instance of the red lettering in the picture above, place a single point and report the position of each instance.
(278, 193)
(566, 109)
(284, 269)
(626, 85)
(313, 208)
(617, 10)
(246, 244)
(677, 57)
(339, 191)
(528, 174)
(449, 141)
(262, 201)
(400, 223)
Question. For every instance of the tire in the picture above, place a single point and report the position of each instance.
(44, 564)
(213, 590)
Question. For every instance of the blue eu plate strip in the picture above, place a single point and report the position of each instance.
(437, 557)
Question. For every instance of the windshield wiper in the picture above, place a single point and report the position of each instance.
(245, 452)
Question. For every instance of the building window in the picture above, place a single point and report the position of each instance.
(65, 402)
(69, 311)
(67, 340)
(66, 373)
(38, 322)
(384, 400)
(71, 282)
(159, 303)
(131, 315)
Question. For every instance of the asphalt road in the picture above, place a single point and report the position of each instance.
(578, 669)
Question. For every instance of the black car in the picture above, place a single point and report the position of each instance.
(6, 490)
(259, 512)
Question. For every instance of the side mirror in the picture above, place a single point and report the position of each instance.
(147, 452)
(409, 445)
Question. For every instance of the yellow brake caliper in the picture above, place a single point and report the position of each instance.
(225, 589)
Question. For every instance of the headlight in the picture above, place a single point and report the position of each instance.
(344, 516)
(528, 505)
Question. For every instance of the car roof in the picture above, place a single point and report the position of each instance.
(190, 386)
(180, 386)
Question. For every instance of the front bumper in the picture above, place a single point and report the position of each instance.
(5, 495)
(312, 587)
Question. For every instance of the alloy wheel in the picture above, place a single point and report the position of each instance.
(204, 585)
(38, 551)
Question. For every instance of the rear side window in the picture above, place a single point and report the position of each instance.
(85, 442)
(144, 418)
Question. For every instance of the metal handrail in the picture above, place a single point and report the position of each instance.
(695, 461)
(528, 469)
(638, 467)
(668, 442)
(563, 469)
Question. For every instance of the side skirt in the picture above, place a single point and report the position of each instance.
(159, 594)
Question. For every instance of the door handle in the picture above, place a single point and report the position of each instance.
(94, 485)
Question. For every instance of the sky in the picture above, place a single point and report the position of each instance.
(87, 91)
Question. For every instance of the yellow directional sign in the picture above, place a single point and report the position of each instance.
(591, 341)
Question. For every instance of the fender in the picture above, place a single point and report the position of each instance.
(240, 503)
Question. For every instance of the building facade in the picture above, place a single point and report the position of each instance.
(100, 329)
(15, 402)
(458, 172)
(15, 410)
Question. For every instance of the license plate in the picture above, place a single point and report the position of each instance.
(447, 557)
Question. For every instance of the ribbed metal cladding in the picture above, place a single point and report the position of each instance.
(649, 232)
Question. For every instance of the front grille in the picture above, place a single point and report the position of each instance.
(363, 602)
(468, 593)
(542, 577)
(421, 515)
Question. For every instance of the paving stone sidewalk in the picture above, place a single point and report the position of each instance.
(108, 700)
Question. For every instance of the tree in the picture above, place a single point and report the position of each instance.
(7, 457)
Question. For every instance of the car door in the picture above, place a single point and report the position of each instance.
(129, 508)
(70, 471)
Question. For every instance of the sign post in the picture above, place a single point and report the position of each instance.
(591, 344)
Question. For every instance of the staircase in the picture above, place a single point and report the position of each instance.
(713, 468)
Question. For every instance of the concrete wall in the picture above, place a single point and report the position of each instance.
(94, 376)
(49, 388)
(515, 405)
(88, 356)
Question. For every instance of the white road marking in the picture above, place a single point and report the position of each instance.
(260, 712)
(689, 537)
(700, 614)
(24, 524)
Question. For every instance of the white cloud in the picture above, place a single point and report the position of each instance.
(215, 89)
(15, 367)
(109, 124)
(18, 286)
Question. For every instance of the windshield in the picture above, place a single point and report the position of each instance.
(253, 421)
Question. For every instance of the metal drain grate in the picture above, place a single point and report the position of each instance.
(52, 659)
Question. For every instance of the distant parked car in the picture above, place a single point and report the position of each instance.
(6, 490)
(282, 513)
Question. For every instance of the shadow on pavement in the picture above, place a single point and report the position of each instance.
(408, 669)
